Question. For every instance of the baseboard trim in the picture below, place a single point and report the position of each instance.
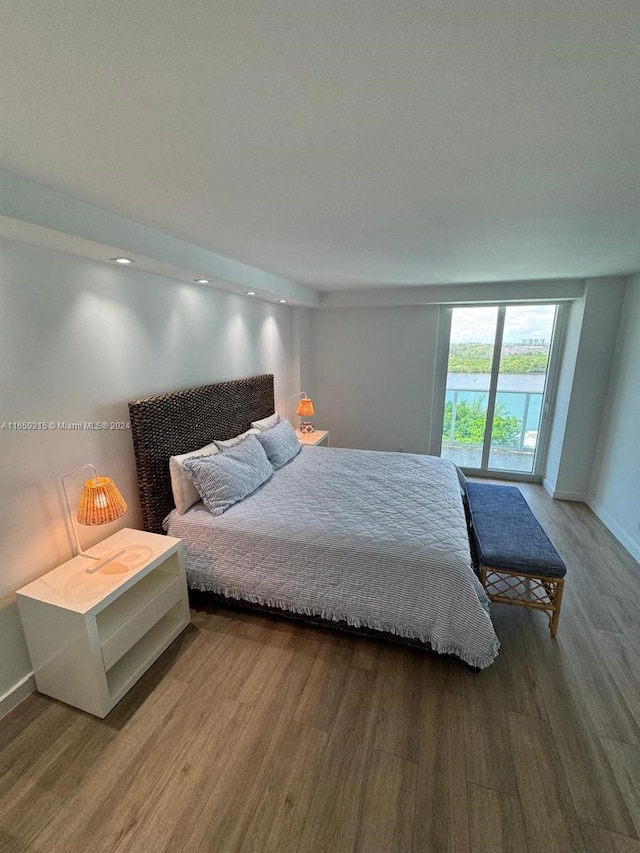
(612, 525)
(563, 496)
(12, 698)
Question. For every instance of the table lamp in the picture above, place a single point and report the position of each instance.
(100, 503)
(305, 410)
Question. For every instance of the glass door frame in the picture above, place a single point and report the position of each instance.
(548, 399)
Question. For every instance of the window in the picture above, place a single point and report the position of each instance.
(498, 388)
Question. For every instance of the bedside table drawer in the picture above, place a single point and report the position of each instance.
(128, 619)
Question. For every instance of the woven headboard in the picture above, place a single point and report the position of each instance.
(167, 424)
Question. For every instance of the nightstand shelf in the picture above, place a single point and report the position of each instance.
(131, 666)
(91, 636)
(317, 438)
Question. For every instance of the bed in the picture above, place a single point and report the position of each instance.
(373, 541)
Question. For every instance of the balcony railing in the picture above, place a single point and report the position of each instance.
(517, 453)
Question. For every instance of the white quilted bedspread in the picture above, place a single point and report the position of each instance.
(375, 539)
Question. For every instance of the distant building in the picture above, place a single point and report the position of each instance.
(533, 342)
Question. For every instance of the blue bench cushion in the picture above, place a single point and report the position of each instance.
(507, 534)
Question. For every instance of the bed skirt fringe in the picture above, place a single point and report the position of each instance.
(480, 662)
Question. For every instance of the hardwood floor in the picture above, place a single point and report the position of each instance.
(256, 734)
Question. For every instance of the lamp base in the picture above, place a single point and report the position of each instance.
(102, 561)
(306, 427)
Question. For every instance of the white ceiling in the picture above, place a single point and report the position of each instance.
(343, 143)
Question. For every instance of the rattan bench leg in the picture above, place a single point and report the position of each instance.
(498, 583)
(557, 604)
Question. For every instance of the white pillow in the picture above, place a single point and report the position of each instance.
(266, 423)
(230, 442)
(184, 492)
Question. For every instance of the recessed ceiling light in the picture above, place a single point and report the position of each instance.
(123, 261)
(282, 301)
(250, 293)
(201, 281)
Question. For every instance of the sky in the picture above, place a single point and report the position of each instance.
(477, 325)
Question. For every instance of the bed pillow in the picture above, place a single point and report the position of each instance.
(229, 476)
(231, 442)
(266, 423)
(184, 492)
(280, 443)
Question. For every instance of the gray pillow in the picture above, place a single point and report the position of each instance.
(229, 476)
(280, 443)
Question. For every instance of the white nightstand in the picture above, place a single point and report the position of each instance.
(316, 438)
(91, 637)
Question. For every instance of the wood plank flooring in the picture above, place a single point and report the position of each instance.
(257, 735)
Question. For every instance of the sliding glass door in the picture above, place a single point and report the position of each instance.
(497, 386)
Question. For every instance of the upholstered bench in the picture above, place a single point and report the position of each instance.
(518, 563)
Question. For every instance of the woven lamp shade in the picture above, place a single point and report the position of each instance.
(305, 408)
(100, 502)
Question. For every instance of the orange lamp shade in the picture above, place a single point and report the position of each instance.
(305, 408)
(100, 502)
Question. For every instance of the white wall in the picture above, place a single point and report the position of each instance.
(78, 340)
(614, 490)
(583, 387)
(574, 312)
(372, 375)
(301, 359)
